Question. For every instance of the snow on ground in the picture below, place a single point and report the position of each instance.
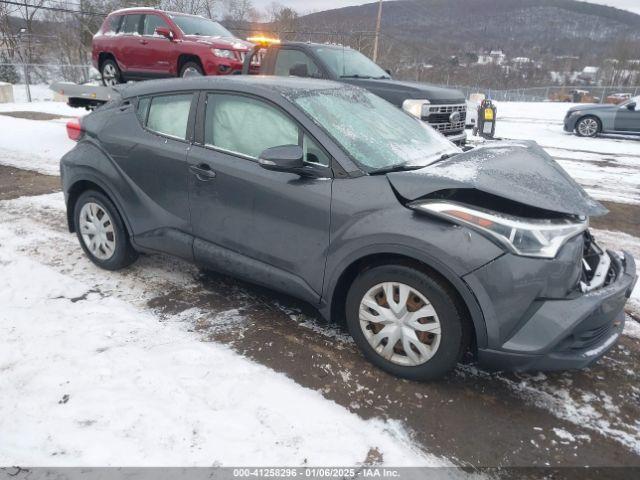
(90, 379)
(35, 144)
(39, 93)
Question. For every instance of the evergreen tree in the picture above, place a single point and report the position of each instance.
(8, 73)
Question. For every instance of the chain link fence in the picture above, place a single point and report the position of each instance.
(570, 93)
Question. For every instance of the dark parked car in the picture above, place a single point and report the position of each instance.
(332, 195)
(144, 43)
(591, 120)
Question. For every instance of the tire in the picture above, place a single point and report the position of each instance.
(444, 349)
(115, 250)
(588, 126)
(191, 69)
(110, 73)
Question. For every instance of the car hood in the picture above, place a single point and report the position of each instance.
(397, 92)
(221, 42)
(592, 106)
(520, 171)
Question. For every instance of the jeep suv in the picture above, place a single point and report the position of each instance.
(143, 43)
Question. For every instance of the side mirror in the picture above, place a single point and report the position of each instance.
(388, 72)
(631, 106)
(285, 158)
(299, 70)
(165, 32)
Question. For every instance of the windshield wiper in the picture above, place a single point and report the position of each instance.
(402, 167)
(355, 75)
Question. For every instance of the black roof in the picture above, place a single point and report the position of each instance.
(260, 84)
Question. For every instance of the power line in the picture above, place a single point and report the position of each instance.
(54, 9)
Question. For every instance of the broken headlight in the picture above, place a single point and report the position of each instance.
(529, 237)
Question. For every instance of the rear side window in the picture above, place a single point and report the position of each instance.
(131, 24)
(113, 23)
(169, 115)
(247, 126)
(297, 63)
(151, 22)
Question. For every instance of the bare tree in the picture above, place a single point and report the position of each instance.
(240, 11)
(193, 7)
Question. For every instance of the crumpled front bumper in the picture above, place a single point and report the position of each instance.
(568, 333)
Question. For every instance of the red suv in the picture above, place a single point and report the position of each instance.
(144, 43)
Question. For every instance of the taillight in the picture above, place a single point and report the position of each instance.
(74, 130)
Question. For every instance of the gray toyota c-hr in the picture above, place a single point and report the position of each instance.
(330, 194)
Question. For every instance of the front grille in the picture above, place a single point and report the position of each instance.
(440, 118)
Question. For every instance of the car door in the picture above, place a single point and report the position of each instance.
(294, 62)
(628, 116)
(130, 51)
(268, 227)
(153, 159)
(160, 53)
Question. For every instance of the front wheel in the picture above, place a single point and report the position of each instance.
(101, 232)
(191, 69)
(588, 127)
(406, 322)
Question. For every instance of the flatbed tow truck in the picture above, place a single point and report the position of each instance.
(443, 109)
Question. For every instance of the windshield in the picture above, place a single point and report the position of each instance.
(200, 26)
(344, 62)
(376, 134)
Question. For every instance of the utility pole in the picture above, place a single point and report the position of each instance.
(375, 43)
(25, 59)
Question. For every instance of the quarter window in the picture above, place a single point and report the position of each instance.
(113, 24)
(131, 24)
(313, 153)
(169, 115)
(243, 125)
(151, 22)
(143, 108)
(296, 63)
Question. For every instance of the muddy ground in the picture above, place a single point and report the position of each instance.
(475, 418)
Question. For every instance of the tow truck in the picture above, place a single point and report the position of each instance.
(443, 109)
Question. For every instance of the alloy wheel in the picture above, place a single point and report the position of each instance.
(109, 75)
(400, 323)
(97, 231)
(588, 127)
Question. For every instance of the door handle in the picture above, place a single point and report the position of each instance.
(202, 172)
(143, 42)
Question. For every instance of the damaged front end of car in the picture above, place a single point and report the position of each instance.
(554, 299)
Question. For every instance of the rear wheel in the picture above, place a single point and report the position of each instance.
(101, 232)
(110, 73)
(406, 322)
(191, 69)
(588, 126)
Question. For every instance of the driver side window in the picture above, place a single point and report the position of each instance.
(246, 126)
(295, 63)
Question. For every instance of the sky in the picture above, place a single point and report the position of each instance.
(305, 6)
